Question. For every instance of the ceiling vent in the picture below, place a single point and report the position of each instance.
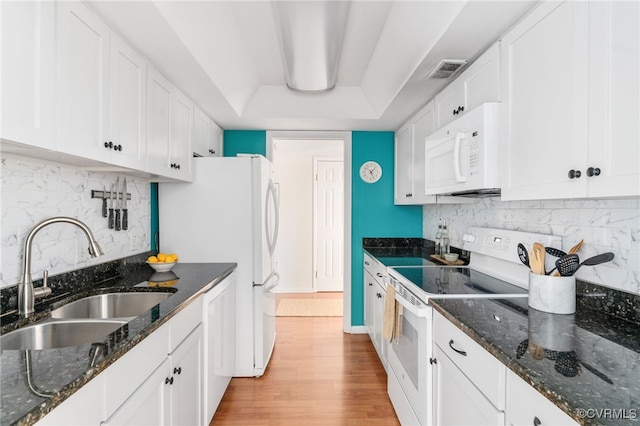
(447, 67)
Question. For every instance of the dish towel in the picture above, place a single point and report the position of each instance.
(391, 321)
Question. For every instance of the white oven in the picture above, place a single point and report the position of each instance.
(410, 374)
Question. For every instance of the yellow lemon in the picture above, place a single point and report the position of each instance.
(152, 259)
(171, 258)
(175, 257)
(162, 257)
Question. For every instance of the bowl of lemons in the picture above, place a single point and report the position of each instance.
(162, 262)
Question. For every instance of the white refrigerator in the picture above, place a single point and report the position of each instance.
(229, 213)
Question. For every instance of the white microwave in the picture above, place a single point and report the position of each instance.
(462, 157)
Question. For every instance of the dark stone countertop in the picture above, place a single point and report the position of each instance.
(583, 363)
(62, 371)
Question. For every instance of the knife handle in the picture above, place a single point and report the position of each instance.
(110, 220)
(104, 207)
(125, 219)
(117, 219)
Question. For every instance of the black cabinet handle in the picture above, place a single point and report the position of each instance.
(408, 195)
(455, 112)
(536, 421)
(366, 263)
(168, 381)
(177, 370)
(211, 151)
(574, 174)
(379, 275)
(463, 353)
(370, 284)
(461, 108)
(593, 171)
(379, 295)
(433, 361)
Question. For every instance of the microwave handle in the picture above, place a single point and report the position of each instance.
(456, 157)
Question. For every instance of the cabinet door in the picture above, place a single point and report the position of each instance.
(378, 308)
(85, 407)
(423, 126)
(449, 103)
(200, 133)
(482, 79)
(457, 400)
(544, 76)
(83, 81)
(128, 106)
(404, 165)
(369, 296)
(614, 105)
(187, 385)
(216, 135)
(159, 91)
(27, 49)
(526, 406)
(149, 404)
(181, 153)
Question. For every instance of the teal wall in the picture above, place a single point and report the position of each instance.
(373, 213)
(244, 142)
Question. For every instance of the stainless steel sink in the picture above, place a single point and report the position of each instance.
(58, 334)
(111, 305)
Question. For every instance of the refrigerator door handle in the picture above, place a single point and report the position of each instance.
(272, 239)
(268, 287)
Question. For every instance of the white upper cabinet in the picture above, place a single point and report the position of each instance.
(614, 105)
(404, 165)
(478, 84)
(169, 122)
(200, 133)
(27, 55)
(570, 86)
(83, 82)
(128, 98)
(216, 140)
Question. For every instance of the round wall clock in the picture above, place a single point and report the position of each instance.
(370, 172)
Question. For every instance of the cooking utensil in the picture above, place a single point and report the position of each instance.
(523, 254)
(104, 201)
(110, 221)
(538, 254)
(555, 252)
(596, 260)
(568, 265)
(118, 201)
(125, 212)
(574, 249)
(597, 372)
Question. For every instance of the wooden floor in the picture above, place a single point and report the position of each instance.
(317, 375)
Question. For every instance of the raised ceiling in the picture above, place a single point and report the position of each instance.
(226, 56)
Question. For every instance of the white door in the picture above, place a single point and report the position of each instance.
(328, 213)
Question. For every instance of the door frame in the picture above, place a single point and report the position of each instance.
(345, 137)
(317, 160)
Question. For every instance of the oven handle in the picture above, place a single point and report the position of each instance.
(456, 157)
(419, 312)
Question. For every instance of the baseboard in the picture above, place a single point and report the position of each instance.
(279, 289)
(356, 329)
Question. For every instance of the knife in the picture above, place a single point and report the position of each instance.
(104, 201)
(118, 201)
(125, 212)
(110, 220)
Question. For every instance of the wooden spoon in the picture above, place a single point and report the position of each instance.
(575, 248)
(538, 254)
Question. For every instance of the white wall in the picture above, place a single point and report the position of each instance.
(33, 190)
(293, 169)
(605, 225)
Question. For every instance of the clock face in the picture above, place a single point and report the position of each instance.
(370, 172)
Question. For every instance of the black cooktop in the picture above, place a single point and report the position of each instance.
(448, 280)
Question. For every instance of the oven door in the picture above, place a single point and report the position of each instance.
(409, 358)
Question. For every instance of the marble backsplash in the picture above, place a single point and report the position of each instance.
(605, 226)
(33, 190)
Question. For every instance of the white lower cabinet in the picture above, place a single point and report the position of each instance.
(527, 406)
(375, 291)
(185, 380)
(220, 343)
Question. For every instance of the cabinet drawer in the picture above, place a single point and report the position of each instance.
(375, 268)
(482, 368)
(525, 405)
(184, 323)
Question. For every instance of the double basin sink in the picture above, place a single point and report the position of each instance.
(83, 321)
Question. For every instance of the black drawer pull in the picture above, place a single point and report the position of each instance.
(168, 381)
(536, 421)
(379, 275)
(463, 353)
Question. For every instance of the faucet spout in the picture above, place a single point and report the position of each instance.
(26, 293)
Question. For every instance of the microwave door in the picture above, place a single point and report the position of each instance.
(446, 163)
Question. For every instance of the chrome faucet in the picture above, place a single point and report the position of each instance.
(26, 293)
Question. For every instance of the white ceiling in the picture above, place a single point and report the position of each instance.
(225, 55)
